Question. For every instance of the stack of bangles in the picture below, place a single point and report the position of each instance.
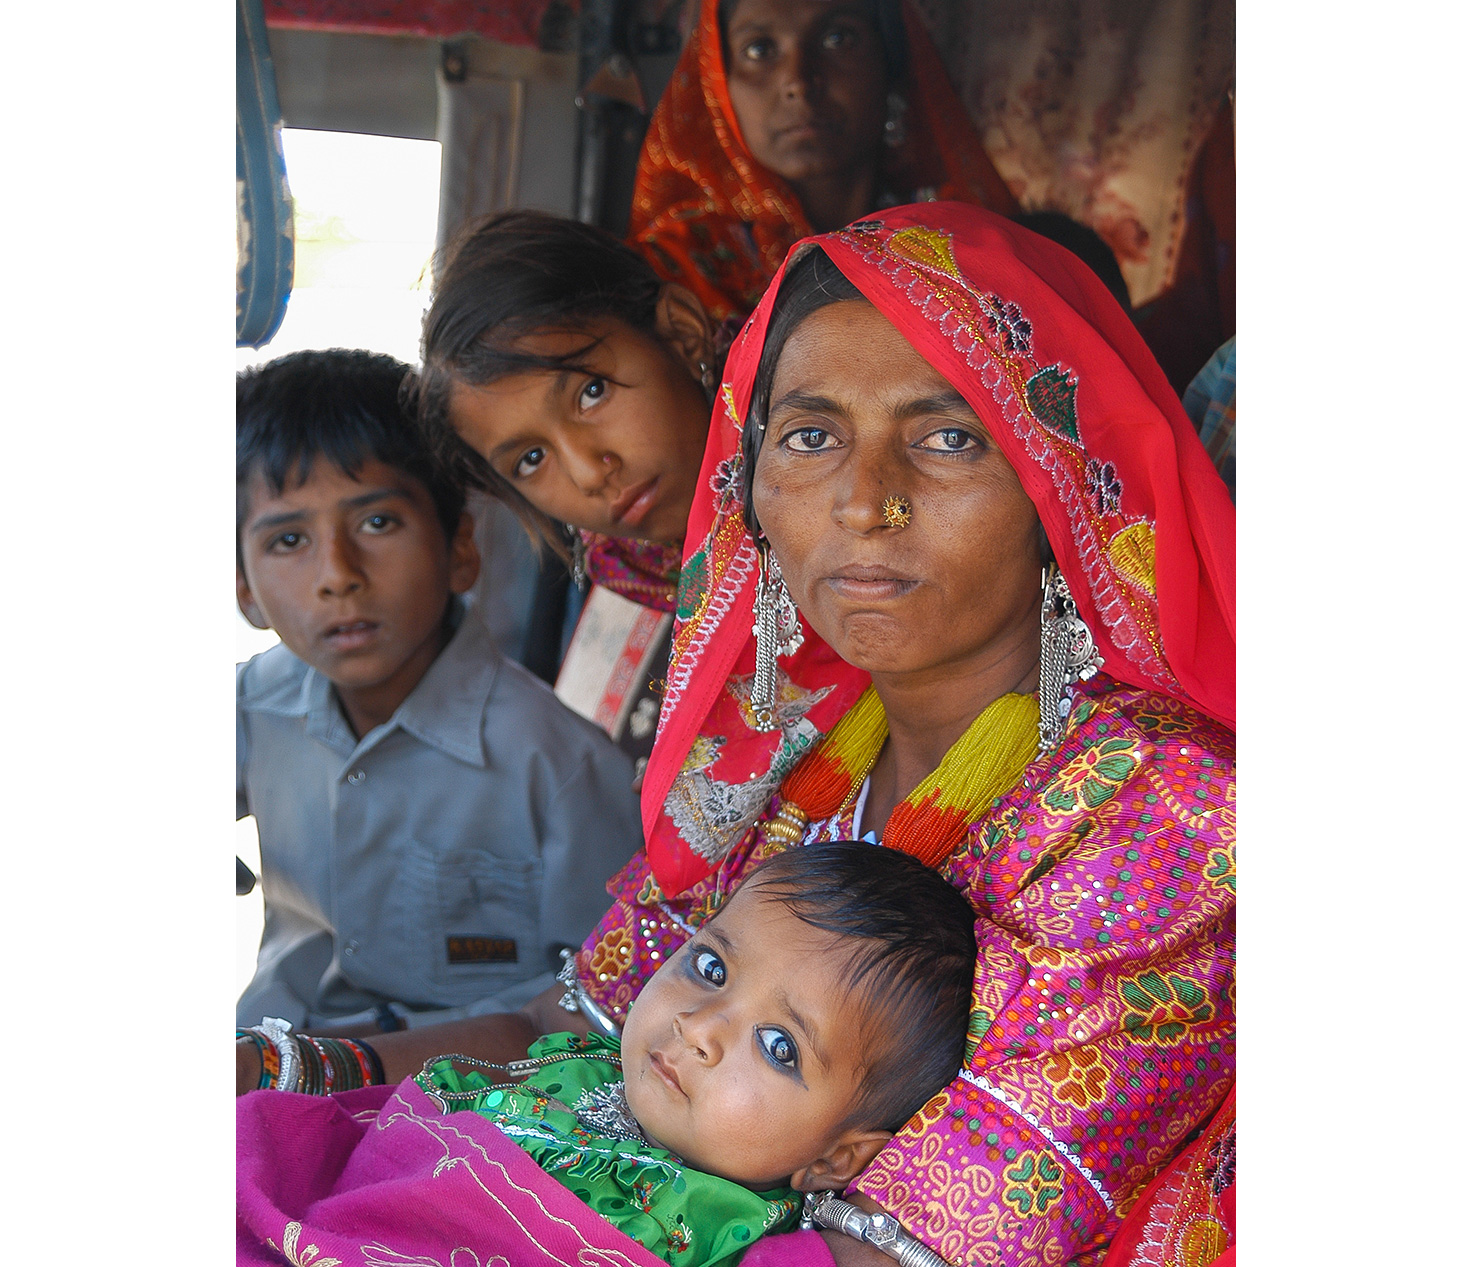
(314, 1066)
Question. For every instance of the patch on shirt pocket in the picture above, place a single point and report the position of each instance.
(480, 919)
(480, 949)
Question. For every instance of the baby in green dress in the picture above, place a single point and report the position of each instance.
(774, 1054)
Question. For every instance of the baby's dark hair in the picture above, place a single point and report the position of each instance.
(347, 406)
(507, 276)
(912, 966)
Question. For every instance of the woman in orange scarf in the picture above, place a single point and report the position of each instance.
(789, 117)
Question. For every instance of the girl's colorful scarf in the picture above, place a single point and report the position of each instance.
(929, 823)
(1142, 527)
(643, 571)
(706, 215)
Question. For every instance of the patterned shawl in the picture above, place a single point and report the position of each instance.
(644, 572)
(706, 215)
(1142, 526)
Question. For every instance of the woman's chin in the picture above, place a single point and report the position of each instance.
(878, 643)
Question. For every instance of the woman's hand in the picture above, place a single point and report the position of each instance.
(500, 1037)
(247, 1066)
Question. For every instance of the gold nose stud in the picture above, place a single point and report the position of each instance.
(896, 512)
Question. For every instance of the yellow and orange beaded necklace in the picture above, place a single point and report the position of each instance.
(929, 823)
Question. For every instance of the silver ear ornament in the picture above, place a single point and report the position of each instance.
(1067, 654)
(578, 559)
(775, 624)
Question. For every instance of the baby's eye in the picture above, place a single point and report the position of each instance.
(809, 440)
(593, 392)
(529, 462)
(709, 966)
(950, 440)
(779, 1046)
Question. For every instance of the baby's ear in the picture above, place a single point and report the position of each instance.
(247, 603)
(838, 1167)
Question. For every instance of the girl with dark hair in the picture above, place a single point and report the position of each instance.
(786, 117)
(564, 378)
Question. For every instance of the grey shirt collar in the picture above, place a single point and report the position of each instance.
(444, 710)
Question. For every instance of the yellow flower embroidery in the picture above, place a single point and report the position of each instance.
(926, 246)
(1133, 552)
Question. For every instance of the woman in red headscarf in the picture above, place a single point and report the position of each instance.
(789, 117)
(933, 411)
(934, 408)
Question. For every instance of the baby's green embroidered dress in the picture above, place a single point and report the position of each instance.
(566, 1114)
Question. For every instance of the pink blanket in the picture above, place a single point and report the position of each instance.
(381, 1178)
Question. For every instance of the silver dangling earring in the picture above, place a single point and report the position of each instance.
(1068, 654)
(708, 380)
(895, 107)
(578, 563)
(775, 622)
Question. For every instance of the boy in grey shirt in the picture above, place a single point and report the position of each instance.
(434, 824)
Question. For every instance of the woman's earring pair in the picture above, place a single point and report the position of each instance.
(778, 631)
(1067, 655)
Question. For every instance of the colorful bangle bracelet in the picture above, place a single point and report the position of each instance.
(314, 1080)
(338, 1078)
(314, 1066)
(266, 1050)
(375, 1065)
(346, 1075)
(359, 1052)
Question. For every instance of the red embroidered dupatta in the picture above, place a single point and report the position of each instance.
(707, 215)
(1142, 527)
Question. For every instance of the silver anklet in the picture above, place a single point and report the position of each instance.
(883, 1231)
(577, 999)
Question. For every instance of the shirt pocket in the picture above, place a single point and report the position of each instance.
(475, 919)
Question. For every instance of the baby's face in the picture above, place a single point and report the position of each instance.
(741, 1055)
